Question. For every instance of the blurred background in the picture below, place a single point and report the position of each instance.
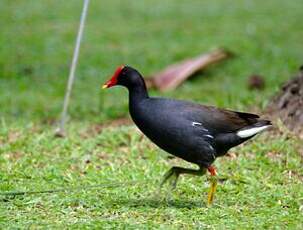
(37, 40)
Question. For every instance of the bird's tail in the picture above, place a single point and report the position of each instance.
(250, 131)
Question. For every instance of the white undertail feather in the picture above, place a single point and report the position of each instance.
(251, 131)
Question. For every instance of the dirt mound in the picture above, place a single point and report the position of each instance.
(287, 105)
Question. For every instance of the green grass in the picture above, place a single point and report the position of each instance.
(261, 186)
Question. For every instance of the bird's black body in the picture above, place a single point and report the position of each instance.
(193, 132)
(181, 128)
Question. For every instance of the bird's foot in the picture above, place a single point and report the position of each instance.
(177, 171)
(169, 174)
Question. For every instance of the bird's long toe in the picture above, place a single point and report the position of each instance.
(173, 172)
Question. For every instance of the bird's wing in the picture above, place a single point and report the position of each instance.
(221, 120)
(215, 120)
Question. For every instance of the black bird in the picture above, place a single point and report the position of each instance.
(196, 133)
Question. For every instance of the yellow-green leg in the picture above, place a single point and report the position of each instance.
(177, 171)
(213, 184)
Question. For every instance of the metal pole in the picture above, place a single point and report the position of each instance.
(61, 131)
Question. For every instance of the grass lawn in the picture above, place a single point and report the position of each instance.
(261, 182)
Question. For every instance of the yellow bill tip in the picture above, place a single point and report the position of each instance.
(104, 86)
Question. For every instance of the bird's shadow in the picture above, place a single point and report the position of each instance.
(141, 202)
(153, 202)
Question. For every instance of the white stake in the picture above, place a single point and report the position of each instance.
(61, 131)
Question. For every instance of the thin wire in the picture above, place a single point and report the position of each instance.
(72, 189)
(73, 68)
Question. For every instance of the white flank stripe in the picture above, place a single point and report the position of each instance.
(195, 123)
(250, 132)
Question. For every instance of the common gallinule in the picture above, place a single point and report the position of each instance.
(196, 133)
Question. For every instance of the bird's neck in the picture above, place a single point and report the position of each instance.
(137, 93)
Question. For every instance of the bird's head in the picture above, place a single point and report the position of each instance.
(124, 76)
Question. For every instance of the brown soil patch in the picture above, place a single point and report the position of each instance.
(287, 105)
